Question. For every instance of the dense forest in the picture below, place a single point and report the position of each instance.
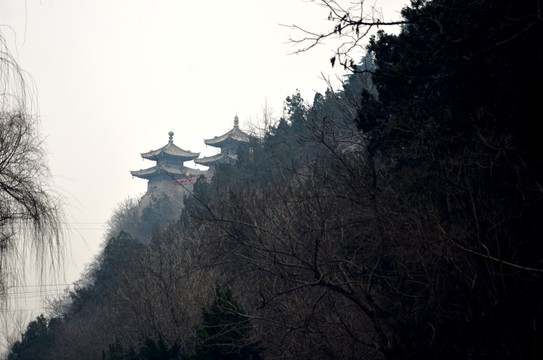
(397, 218)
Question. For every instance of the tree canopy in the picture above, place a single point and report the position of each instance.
(395, 218)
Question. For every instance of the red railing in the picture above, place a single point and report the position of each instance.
(207, 177)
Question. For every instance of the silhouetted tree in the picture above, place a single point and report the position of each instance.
(30, 215)
(225, 332)
(36, 341)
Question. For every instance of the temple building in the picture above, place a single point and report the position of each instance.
(169, 167)
(229, 143)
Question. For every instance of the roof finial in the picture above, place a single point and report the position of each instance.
(171, 137)
(236, 121)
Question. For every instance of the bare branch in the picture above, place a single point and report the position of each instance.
(352, 25)
(30, 215)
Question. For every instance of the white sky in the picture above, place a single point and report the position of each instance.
(113, 77)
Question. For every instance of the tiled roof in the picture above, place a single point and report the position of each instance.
(234, 135)
(211, 160)
(170, 150)
(171, 171)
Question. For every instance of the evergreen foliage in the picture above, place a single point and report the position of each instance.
(225, 332)
(35, 342)
(398, 218)
(150, 350)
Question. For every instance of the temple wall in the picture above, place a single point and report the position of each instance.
(174, 191)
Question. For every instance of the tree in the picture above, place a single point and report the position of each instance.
(454, 123)
(419, 238)
(125, 218)
(353, 22)
(401, 224)
(150, 350)
(30, 215)
(225, 332)
(159, 350)
(35, 342)
(300, 242)
(451, 129)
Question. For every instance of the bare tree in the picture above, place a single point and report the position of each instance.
(125, 218)
(31, 220)
(265, 120)
(336, 258)
(12, 325)
(167, 292)
(353, 22)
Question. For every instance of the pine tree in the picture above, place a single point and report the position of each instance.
(226, 332)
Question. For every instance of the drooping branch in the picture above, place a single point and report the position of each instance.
(30, 215)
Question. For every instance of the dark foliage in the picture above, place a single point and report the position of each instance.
(459, 96)
(399, 218)
(150, 350)
(225, 332)
(36, 340)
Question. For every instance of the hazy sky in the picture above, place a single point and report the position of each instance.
(113, 77)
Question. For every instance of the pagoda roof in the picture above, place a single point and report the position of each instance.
(174, 172)
(219, 158)
(170, 150)
(234, 135)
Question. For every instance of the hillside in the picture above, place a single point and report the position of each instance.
(397, 218)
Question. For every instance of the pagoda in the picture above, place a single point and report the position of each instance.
(169, 166)
(229, 143)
